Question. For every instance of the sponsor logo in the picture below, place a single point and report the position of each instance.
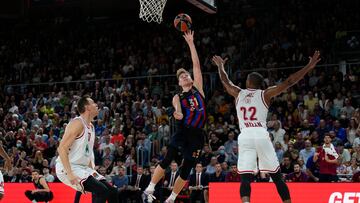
(346, 197)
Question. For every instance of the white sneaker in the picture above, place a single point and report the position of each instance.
(149, 195)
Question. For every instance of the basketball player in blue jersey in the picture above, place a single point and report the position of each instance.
(254, 141)
(190, 115)
(75, 164)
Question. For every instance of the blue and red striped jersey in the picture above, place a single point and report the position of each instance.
(193, 108)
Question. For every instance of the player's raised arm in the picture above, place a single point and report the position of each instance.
(73, 129)
(292, 79)
(198, 80)
(232, 89)
(3, 154)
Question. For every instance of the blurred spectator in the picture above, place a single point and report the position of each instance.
(230, 143)
(344, 154)
(279, 151)
(206, 156)
(286, 166)
(233, 175)
(48, 177)
(312, 169)
(308, 151)
(327, 157)
(297, 175)
(278, 133)
(120, 181)
(351, 132)
(210, 168)
(169, 180)
(219, 175)
(138, 183)
(198, 184)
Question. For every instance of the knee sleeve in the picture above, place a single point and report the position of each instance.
(281, 187)
(170, 155)
(245, 187)
(186, 169)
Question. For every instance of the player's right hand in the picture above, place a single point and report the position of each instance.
(73, 179)
(178, 115)
(314, 59)
(219, 62)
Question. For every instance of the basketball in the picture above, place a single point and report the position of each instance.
(182, 22)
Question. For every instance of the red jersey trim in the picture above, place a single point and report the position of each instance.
(270, 171)
(263, 99)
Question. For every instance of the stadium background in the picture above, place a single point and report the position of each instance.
(52, 51)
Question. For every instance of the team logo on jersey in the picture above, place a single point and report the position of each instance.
(194, 104)
(248, 97)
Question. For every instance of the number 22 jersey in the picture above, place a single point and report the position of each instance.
(251, 108)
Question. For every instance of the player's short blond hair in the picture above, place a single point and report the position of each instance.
(180, 71)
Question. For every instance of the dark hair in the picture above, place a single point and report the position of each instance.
(36, 170)
(83, 101)
(256, 79)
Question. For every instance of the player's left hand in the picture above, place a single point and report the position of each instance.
(189, 36)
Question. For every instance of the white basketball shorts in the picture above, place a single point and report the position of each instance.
(255, 147)
(83, 172)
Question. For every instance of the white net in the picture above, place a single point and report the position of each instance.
(151, 10)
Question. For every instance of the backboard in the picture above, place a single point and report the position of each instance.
(209, 6)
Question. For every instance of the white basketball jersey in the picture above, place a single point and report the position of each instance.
(251, 108)
(81, 151)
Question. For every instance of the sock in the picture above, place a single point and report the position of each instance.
(151, 186)
(173, 196)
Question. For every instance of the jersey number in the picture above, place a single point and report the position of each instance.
(252, 111)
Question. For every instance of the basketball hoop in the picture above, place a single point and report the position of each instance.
(151, 10)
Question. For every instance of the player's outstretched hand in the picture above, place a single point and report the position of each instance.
(314, 59)
(189, 36)
(219, 62)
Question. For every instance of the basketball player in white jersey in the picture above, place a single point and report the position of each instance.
(7, 167)
(75, 164)
(254, 141)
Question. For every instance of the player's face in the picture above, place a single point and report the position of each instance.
(92, 107)
(185, 79)
(35, 175)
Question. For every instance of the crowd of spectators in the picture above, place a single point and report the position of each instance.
(134, 127)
